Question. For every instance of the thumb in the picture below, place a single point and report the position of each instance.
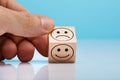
(24, 24)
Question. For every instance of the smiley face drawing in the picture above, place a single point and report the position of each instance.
(62, 34)
(62, 52)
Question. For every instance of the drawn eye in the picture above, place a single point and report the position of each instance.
(66, 50)
(58, 32)
(58, 49)
(65, 32)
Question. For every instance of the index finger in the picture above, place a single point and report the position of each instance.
(41, 44)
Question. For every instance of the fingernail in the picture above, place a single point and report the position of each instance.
(47, 23)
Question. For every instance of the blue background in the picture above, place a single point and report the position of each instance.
(92, 18)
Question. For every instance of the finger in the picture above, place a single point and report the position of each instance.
(41, 44)
(25, 51)
(9, 49)
(2, 38)
(1, 57)
(12, 4)
(32, 26)
(24, 24)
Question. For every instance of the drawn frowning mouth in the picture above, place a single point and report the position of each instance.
(62, 56)
(62, 36)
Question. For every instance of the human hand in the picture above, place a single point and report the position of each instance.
(22, 32)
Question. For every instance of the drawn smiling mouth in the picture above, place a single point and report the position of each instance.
(62, 56)
(62, 36)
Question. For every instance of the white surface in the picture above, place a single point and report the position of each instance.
(26, 71)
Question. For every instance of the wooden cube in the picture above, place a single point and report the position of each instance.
(62, 45)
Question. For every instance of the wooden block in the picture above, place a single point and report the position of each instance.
(62, 45)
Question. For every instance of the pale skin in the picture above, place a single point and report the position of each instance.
(21, 32)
